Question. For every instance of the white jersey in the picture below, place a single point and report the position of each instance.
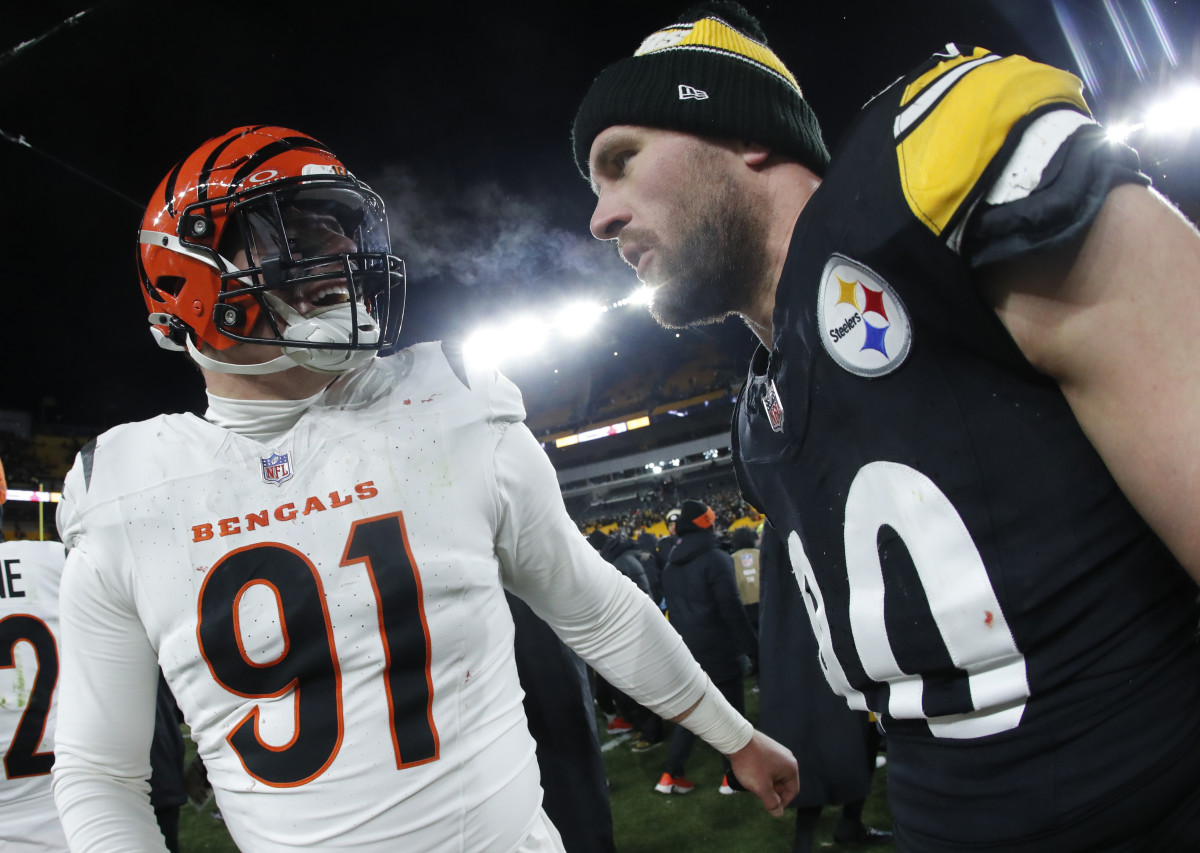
(29, 652)
(329, 613)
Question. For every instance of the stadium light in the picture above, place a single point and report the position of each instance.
(1122, 131)
(483, 346)
(575, 320)
(34, 496)
(526, 336)
(642, 296)
(495, 344)
(1177, 112)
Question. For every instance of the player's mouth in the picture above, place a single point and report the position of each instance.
(323, 295)
(330, 295)
(637, 249)
(643, 265)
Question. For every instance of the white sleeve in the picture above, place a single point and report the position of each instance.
(67, 516)
(595, 609)
(105, 718)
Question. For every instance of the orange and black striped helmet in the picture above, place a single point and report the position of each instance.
(220, 248)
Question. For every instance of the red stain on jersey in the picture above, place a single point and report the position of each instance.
(408, 402)
(987, 618)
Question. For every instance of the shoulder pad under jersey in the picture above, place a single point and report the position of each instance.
(956, 113)
(437, 372)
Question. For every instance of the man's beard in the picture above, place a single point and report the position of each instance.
(719, 266)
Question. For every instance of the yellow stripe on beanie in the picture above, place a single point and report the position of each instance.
(715, 34)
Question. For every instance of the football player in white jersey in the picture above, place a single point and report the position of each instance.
(319, 564)
(29, 661)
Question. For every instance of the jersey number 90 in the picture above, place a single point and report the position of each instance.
(961, 599)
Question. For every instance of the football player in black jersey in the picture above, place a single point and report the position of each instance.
(973, 417)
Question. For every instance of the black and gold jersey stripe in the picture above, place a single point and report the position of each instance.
(957, 113)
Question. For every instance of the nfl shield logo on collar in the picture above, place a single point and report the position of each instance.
(773, 406)
(276, 468)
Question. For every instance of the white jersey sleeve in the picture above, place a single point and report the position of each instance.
(30, 648)
(594, 608)
(107, 702)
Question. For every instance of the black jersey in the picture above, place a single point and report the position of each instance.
(973, 573)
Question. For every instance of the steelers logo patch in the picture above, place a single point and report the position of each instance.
(863, 324)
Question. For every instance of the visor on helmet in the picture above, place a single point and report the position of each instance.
(315, 244)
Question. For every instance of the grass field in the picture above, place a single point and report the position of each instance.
(644, 821)
(705, 821)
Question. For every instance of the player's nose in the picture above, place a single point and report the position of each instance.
(609, 217)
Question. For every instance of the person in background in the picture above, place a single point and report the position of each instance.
(744, 547)
(632, 561)
(703, 605)
(835, 746)
(30, 644)
(558, 707)
(649, 544)
(618, 709)
(666, 543)
(167, 787)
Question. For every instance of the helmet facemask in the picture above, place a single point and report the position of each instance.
(312, 256)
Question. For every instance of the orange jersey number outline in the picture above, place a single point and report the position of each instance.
(309, 666)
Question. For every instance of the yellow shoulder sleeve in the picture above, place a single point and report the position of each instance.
(955, 117)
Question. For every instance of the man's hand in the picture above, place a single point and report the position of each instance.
(195, 782)
(768, 769)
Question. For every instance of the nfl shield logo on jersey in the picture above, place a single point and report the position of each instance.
(773, 407)
(276, 468)
(863, 324)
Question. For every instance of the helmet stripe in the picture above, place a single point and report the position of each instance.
(209, 162)
(277, 147)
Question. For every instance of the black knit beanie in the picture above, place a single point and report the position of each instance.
(695, 516)
(710, 74)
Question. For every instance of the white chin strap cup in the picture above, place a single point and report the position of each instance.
(329, 325)
(324, 325)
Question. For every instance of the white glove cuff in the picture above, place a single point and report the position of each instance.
(715, 721)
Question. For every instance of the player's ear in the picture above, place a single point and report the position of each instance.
(754, 153)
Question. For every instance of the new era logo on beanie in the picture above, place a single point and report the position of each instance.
(736, 88)
(694, 516)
